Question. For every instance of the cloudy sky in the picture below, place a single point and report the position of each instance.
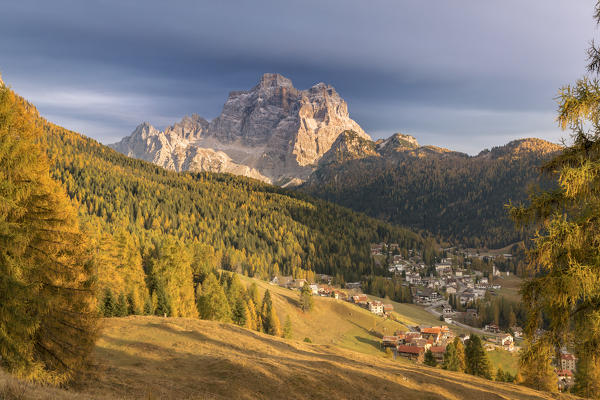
(464, 74)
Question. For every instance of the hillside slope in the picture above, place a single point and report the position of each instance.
(458, 197)
(153, 357)
(256, 226)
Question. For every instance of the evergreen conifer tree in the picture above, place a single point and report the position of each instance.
(460, 354)
(212, 301)
(500, 377)
(253, 318)
(274, 326)
(306, 300)
(430, 359)
(109, 305)
(163, 302)
(171, 271)
(48, 307)
(477, 360)
(287, 328)
(535, 366)
(265, 308)
(240, 312)
(450, 359)
(564, 263)
(121, 310)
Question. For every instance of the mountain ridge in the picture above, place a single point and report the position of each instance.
(272, 132)
(453, 195)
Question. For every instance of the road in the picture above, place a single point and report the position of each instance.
(431, 309)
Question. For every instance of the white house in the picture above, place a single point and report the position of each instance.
(376, 307)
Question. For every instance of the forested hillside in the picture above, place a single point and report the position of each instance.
(233, 222)
(458, 197)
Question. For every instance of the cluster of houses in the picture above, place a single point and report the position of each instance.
(565, 370)
(326, 290)
(413, 344)
(448, 278)
(374, 306)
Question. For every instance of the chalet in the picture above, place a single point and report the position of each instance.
(466, 297)
(390, 341)
(360, 299)
(314, 289)
(409, 336)
(296, 283)
(338, 294)
(438, 352)
(433, 333)
(568, 362)
(436, 333)
(517, 331)
(493, 328)
(376, 307)
(443, 268)
(506, 340)
(377, 249)
(565, 379)
(426, 296)
(282, 280)
(388, 308)
(419, 342)
(447, 310)
(415, 353)
(325, 290)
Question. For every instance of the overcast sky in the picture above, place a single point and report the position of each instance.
(463, 74)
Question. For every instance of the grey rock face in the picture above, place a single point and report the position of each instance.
(273, 132)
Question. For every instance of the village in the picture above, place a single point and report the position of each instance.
(447, 290)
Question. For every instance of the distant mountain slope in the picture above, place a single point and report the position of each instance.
(451, 194)
(252, 226)
(273, 132)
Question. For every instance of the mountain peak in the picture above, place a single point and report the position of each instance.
(349, 145)
(273, 128)
(397, 142)
(522, 146)
(145, 129)
(272, 80)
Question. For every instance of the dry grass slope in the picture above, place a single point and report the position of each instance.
(176, 358)
(152, 357)
(331, 321)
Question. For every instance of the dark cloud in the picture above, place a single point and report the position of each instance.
(465, 74)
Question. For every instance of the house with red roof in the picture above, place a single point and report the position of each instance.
(438, 352)
(415, 353)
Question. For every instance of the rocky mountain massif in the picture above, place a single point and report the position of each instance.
(458, 197)
(282, 135)
(273, 132)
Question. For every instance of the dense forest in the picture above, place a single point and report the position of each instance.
(459, 198)
(141, 218)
